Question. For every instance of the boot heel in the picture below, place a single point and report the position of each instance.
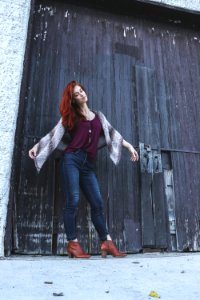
(74, 250)
(70, 255)
(108, 247)
(103, 253)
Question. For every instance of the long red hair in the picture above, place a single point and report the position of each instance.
(69, 110)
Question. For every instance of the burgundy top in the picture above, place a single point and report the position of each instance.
(85, 136)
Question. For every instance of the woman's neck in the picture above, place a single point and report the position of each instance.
(85, 109)
(87, 113)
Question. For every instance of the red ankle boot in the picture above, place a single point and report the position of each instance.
(108, 247)
(74, 250)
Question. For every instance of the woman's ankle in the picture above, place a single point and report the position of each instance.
(109, 237)
(75, 240)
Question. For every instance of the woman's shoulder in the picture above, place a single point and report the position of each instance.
(98, 113)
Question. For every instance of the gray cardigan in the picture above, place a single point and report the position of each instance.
(58, 138)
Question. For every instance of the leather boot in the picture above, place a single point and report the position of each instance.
(108, 247)
(74, 250)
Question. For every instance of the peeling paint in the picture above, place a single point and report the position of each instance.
(51, 13)
(44, 36)
(124, 32)
(127, 29)
(37, 36)
(66, 14)
(41, 35)
(40, 8)
(49, 9)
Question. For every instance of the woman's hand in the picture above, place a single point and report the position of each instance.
(33, 152)
(134, 154)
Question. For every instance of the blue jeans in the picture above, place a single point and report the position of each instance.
(78, 170)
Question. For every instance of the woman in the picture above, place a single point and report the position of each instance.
(86, 131)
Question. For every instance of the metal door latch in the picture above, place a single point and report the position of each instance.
(150, 160)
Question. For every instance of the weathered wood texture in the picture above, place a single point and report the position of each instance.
(153, 210)
(187, 205)
(102, 50)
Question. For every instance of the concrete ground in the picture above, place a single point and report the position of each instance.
(171, 276)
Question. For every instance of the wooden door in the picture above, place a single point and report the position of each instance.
(153, 203)
(69, 42)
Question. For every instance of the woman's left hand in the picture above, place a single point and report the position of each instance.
(134, 154)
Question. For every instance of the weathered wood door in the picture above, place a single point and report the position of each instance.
(123, 63)
(153, 208)
(69, 42)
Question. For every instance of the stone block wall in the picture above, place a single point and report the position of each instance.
(14, 16)
(193, 5)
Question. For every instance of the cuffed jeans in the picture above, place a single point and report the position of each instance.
(77, 171)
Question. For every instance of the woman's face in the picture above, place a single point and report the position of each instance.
(79, 96)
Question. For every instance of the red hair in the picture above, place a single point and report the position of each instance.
(69, 110)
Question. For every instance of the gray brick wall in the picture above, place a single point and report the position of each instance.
(14, 15)
(183, 4)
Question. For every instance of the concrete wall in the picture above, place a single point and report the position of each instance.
(14, 16)
(183, 4)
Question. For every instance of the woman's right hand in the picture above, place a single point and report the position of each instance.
(33, 152)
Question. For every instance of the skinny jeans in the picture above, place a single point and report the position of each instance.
(78, 171)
